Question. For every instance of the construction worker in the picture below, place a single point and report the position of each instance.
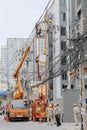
(53, 106)
(76, 112)
(58, 114)
(49, 113)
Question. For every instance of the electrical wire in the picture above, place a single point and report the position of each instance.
(56, 62)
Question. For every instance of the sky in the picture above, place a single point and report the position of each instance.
(18, 17)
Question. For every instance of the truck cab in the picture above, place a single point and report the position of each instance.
(18, 110)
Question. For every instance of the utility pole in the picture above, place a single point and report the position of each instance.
(81, 84)
(50, 60)
(33, 61)
(27, 81)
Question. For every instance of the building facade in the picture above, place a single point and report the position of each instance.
(4, 66)
(77, 59)
(10, 56)
(58, 13)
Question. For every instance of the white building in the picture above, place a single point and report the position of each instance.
(58, 13)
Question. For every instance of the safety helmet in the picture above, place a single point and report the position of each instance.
(74, 104)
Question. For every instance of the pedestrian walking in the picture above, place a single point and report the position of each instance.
(58, 114)
(76, 112)
(49, 114)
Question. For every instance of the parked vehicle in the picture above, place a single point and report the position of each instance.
(18, 108)
(39, 108)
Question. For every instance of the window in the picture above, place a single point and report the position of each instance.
(63, 45)
(72, 86)
(64, 75)
(79, 14)
(63, 60)
(63, 16)
(86, 86)
(64, 86)
(63, 31)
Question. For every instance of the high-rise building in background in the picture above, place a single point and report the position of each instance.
(10, 56)
(3, 66)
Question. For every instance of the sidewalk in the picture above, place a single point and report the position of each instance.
(71, 126)
(64, 126)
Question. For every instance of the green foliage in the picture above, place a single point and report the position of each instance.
(0, 101)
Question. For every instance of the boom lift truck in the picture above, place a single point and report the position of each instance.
(18, 108)
(39, 105)
(39, 108)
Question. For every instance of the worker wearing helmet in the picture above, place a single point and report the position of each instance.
(54, 107)
(49, 113)
(76, 112)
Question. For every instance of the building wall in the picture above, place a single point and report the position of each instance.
(53, 12)
(56, 52)
(69, 98)
(4, 65)
(15, 49)
(61, 21)
(73, 95)
(84, 8)
(58, 11)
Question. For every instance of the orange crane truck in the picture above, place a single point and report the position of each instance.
(39, 108)
(18, 108)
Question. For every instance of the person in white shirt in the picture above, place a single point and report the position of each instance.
(58, 114)
(49, 113)
(76, 112)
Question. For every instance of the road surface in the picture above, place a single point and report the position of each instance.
(29, 125)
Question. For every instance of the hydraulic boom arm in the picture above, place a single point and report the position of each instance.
(19, 93)
(21, 61)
